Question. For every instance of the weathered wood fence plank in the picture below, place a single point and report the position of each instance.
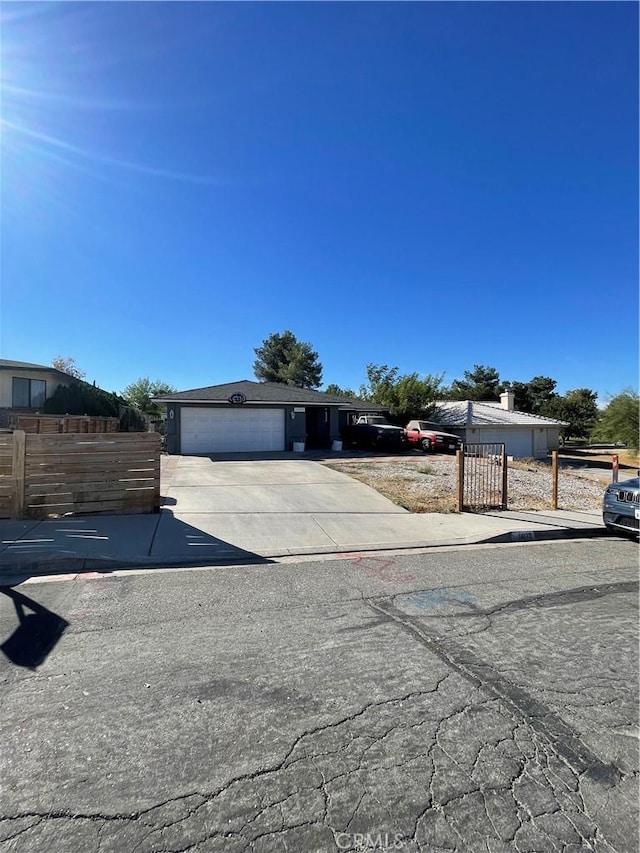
(19, 464)
(51, 424)
(6, 475)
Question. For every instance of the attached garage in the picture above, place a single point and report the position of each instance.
(206, 430)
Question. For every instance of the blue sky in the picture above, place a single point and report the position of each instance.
(427, 185)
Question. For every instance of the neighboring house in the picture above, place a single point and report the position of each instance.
(24, 387)
(524, 435)
(254, 416)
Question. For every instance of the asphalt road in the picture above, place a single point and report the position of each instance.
(598, 470)
(480, 699)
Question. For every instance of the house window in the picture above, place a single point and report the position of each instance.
(29, 393)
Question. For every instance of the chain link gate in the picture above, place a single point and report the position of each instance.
(482, 477)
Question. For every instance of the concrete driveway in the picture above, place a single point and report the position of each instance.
(268, 505)
(239, 508)
(272, 486)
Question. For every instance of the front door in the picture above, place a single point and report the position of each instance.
(317, 425)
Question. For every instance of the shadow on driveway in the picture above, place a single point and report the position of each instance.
(177, 543)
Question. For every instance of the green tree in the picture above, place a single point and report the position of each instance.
(67, 364)
(140, 393)
(620, 420)
(481, 383)
(283, 358)
(541, 390)
(381, 380)
(404, 397)
(532, 396)
(578, 408)
(337, 391)
(80, 398)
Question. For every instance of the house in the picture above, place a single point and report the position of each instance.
(255, 416)
(24, 387)
(524, 435)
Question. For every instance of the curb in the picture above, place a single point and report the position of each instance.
(16, 572)
(549, 535)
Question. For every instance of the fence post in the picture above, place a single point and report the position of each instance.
(554, 479)
(614, 468)
(460, 489)
(19, 452)
(505, 497)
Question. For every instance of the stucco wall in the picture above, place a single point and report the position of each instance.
(6, 383)
(523, 442)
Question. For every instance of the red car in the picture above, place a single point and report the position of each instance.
(431, 439)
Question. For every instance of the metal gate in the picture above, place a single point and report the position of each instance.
(482, 477)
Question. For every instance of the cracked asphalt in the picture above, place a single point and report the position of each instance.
(477, 699)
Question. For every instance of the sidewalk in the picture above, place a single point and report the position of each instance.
(107, 542)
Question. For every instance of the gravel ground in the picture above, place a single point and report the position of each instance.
(428, 483)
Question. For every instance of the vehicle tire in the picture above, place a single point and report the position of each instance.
(426, 445)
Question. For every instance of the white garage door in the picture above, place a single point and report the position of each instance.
(205, 430)
(518, 441)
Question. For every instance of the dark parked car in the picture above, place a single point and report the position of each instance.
(374, 432)
(621, 506)
(430, 438)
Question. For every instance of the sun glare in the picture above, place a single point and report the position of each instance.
(59, 109)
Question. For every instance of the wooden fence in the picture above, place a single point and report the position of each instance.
(6, 474)
(54, 475)
(47, 424)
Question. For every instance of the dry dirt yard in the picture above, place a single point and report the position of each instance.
(423, 483)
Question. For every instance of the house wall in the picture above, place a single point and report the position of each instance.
(334, 423)
(173, 428)
(520, 442)
(553, 438)
(295, 424)
(6, 383)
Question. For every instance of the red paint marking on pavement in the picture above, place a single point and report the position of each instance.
(381, 568)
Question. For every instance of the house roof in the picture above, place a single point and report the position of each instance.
(462, 413)
(7, 364)
(266, 392)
